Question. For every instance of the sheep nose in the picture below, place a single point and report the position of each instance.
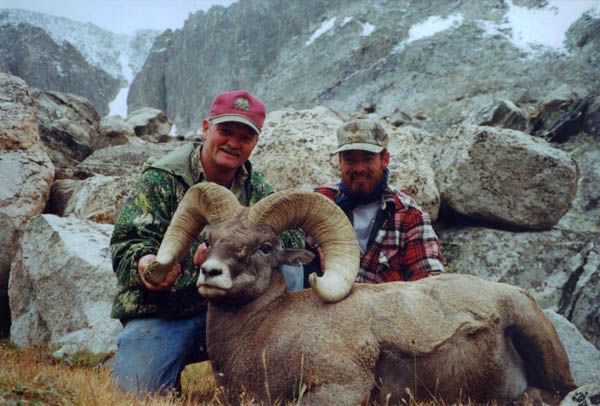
(211, 272)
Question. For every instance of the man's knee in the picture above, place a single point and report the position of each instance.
(152, 353)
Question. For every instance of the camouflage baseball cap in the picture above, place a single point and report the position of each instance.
(363, 134)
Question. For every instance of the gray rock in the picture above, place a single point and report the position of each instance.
(98, 198)
(69, 126)
(584, 214)
(587, 395)
(26, 174)
(62, 286)
(579, 301)
(584, 358)
(558, 267)
(398, 118)
(505, 177)
(123, 160)
(583, 34)
(149, 89)
(559, 115)
(592, 119)
(149, 124)
(114, 130)
(411, 170)
(502, 113)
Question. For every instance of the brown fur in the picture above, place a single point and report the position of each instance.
(450, 337)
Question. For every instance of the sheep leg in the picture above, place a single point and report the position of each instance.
(536, 341)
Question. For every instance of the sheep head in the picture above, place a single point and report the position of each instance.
(209, 203)
(241, 257)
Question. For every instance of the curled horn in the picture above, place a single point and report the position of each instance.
(327, 224)
(202, 204)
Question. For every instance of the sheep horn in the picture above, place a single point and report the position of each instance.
(202, 204)
(327, 224)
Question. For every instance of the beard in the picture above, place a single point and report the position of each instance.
(361, 185)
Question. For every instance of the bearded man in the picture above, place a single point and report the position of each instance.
(396, 239)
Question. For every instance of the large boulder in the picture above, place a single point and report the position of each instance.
(62, 286)
(123, 160)
(560, 268)
(411, 170)
(150, 124)
(505, 177)
(114, 130)
(295, 150)
(26, 175)
(69, 126)
(499, 113)
(98, 198)
(558, 115)
(584, 358)
(584, 214)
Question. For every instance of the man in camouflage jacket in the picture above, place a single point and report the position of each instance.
(164, 325)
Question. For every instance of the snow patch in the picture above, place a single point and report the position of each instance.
(326, 26)
(126, 67)
(430, 27)
(545, 27)
(367, 29)
(118, 107)
(539, 29)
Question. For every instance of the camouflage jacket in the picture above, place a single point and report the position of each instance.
(139, 229)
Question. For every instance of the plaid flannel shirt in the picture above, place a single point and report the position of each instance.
(403, 245)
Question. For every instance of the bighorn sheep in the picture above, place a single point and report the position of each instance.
(450, 337)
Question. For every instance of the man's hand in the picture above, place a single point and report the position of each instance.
(200, 255)
(166, 283)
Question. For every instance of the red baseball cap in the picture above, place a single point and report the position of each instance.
(239, 106)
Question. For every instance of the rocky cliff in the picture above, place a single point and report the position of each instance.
(437, 57)
(55, 53)
(30, 53)
(224, 48)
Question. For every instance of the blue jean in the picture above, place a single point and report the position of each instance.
(294, 277)
(152, 353)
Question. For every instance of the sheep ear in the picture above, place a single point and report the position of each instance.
(296, 257)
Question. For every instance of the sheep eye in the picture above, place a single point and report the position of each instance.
(266, 248)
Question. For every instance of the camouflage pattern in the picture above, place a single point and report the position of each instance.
(138, 231)
(362, 134)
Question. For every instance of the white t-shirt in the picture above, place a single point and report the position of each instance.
(363, 219)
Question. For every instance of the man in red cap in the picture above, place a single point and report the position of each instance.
(164, 325)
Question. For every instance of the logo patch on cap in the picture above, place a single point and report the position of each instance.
(242, 103)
